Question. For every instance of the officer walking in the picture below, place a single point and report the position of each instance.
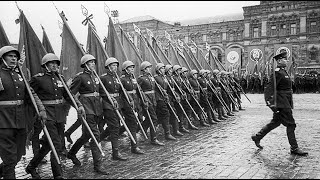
(281, 105)
(147, 84)
(13, 99)
(87, 85)
(52, 93)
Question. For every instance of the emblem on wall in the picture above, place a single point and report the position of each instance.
(282, 49)
(256, 55)
(233, 57)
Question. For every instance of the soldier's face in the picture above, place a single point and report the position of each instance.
(52, 66)
(162, 70)
(169, 71)
(147, 69)
(91, 65)
(179, 71)
(195, 75)
(283, 61)
(130, 69)
(113, 67)
(11, 59)
(184, 73)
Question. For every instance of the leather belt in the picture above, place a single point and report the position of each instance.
(56, 101)
(149, 92)
(285, 92)
(94, 94)
(17, 102)
(114, 94)
(131, 92)
(197, 91)
(204, 88)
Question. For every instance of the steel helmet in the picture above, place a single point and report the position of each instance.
(127, 64)
(193, 71)
(86, 58)
(202, 71)
(111, 60)
(208, 71)
(159, 65)
(215, 71)
(223, 72)
(176, 67)
(6, 49)
(184, 69)
(49, 57)
(144, 65)
(167, 67)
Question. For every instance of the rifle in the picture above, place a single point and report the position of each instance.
(117, 110)
(229, 95)
(147, 110)
(45, 130)
(184, 112)
(241, 89)
(82, 118)
(201, 88)
(220, 99)
(233, 89)
(135, 115)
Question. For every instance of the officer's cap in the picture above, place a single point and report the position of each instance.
(281, 55)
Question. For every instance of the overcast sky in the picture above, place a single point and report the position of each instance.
(44, 12)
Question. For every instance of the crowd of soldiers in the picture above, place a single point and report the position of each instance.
(172, 97)
(301, 83)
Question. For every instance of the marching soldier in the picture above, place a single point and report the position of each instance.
(179, 84)
(162, 98)
(87, 85)
(281, 104)
(234, 90)
(236, 82)
(226, 92)
(217, 104)
(112, 84)
(174, 99)
(147, 84)
(51, 91)
(130, 85)
(13, 102)
(193, 80)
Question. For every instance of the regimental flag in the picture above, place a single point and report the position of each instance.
(45, 42)
(189, 59)
(4, 41)
(279, 48)
(201, 59)
(114, 46)
(157, 49)
(96, 48)
(167, 35)
(131, 51)
(71, 52)
(146, 54)
(31, 47)
(256, 60)
(233, 59)
(194, 59)
(155, 55)
(215, 63)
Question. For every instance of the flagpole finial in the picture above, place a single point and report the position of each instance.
(107, 9)
(18, 6)
(55, 7)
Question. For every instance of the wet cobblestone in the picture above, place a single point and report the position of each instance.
(223, 151)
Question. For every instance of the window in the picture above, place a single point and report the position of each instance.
(273, 30)
(255, 32)
(313, 26)
(293, 29)
(283, 29)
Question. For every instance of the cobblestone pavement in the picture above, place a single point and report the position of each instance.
(224, 150)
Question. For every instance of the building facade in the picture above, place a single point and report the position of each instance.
(294, 23)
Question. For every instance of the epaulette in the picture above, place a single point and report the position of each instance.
(104, 74)
(79, 73)
(156, 75)
(277, 69)
(122, 76)
(39, 74)
(140, 76)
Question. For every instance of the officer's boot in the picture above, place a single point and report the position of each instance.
(35, 161)
(73, 151)
(257, 137)
(1, 170)
(134, 147)
(97, 160)
(175, 127)
(55, 167)
(182, 129)
(166, 129)
(115, 151)
(104, 134)
(202, 121)
(293, 142)
(230, 113)
(192, 126)
(234, 108)
(154, 139)
(214, 117)
(220, 114)
(210, 118)
(224, 113)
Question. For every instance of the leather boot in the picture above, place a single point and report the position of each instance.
(115, 151)
(97, 161)
(169, 137)
(210, 118)
(67, 135)
(134, 148)
(74, 159)
(298, 151)
(264, 130)
(55, 167)
(184, 130)
(156, 142)
(256, 140)
(202, 122)
(33, 172)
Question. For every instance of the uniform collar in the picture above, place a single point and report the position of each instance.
(110, 72)
(85, 70)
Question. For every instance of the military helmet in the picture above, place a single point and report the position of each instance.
(85, 58)
(111, 60)
(159, 65)
(184, 69)
(215, 71)
(193, 71)
(202, 71)
(224, 73)
(6, 49)
(49, 57)
(176, 67)
(127, 64)
(167, 67)
(208, 71)
(144, 65)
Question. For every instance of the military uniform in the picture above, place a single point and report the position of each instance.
(217, 104)
(147, 84)
(14, 118)
(87, 85)
(282, 110)
(52, 94)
